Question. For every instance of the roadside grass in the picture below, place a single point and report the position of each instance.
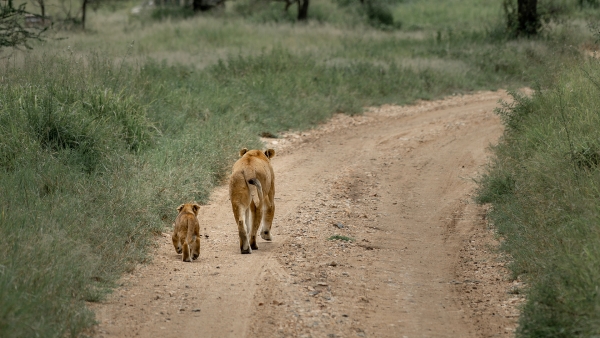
(341, 238)
(104, 133)
(451, 15)
(69, 222)
(544, 185)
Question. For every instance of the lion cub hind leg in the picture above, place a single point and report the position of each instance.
(176, 240)
(186, 253)
(196, 248)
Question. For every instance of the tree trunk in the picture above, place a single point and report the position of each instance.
(528, 21)
(43, 10)
(200, 5)
(302, 10)
(83, 8)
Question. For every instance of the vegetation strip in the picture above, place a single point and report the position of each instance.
(544, 188)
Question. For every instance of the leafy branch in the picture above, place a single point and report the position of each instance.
(12, 30)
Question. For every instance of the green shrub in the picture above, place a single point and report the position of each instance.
(544, 188)
(513, 113)
(172, 12)
(495, 188)
(380, 16)
(67, 142)
(340, 238)
(265, 11)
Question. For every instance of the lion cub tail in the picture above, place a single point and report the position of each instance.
(259, 190)
(191, 236)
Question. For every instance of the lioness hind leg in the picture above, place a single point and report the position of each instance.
(244, 245)
(256, 220)
(267, 221)
(240, 217)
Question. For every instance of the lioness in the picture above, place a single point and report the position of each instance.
(253, 169)
(186, 233)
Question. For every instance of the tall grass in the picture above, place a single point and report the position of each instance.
(67, 227)
(544, 185)
(87, 179)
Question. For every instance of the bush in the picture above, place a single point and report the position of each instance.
(67, 141)
(544, 188)
(265, 11)
(380, 16)
(172, 12)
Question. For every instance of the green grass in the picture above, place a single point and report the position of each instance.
(93, 165)
(340, 238)
(70, 223)
(544, 185)
(104, 133)
(457, 15)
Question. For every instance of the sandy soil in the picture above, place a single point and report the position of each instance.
(397, 182)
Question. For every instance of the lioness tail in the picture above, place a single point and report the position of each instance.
(258, 186)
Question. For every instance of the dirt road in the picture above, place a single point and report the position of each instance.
(413, 256)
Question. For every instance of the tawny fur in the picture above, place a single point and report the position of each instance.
(253, 172)
(186, 232)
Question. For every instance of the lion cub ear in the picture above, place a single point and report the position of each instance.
(243, 151)
(195, 208)
(270, 153)
(180, 207)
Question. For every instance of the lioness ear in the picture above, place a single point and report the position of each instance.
(195, 208)
(270, 153)
(243, 151)
(180, 207)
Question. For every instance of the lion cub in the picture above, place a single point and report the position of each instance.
(186, 233)
(253, 172)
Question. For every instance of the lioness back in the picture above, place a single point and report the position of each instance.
(252, 174)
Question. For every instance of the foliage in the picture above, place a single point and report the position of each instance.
(375, 13)
(589, 3)
(263, 11)
(171, 12)
(543, 185)
(380, 16)
(548, 13)
(12, 32)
